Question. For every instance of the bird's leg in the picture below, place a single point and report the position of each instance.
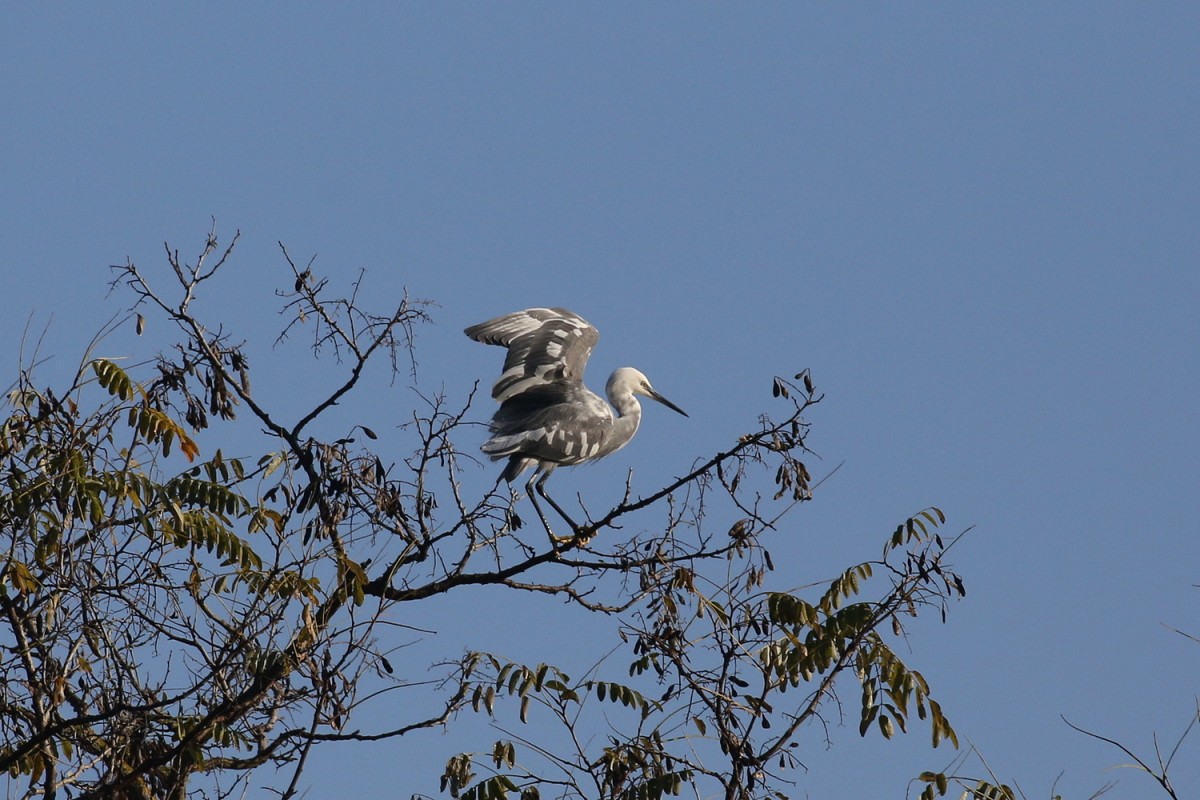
(540, 487)
(531, 488)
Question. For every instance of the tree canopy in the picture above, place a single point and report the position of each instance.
(189, 612)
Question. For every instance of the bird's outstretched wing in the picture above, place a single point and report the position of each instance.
(545, 345)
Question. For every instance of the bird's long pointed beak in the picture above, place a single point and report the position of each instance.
(667, 402)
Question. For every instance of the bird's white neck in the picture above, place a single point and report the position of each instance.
(627, 406)
(629, 416)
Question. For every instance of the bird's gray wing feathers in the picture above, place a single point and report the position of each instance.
(551, 405)
(545, 345)
(558, 422)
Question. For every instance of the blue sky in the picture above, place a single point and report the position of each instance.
(976, 224)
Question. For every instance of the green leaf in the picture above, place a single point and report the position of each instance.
(113, 379)
(885, 726)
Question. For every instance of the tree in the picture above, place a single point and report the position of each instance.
(176, 618)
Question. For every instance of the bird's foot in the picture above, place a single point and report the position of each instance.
(584, 536)
(581, 538)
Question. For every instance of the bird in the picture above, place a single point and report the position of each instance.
(548, 418)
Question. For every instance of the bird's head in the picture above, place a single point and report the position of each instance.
(628, 380)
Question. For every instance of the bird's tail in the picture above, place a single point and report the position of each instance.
(516, 465)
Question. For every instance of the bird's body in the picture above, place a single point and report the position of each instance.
(547, 417)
